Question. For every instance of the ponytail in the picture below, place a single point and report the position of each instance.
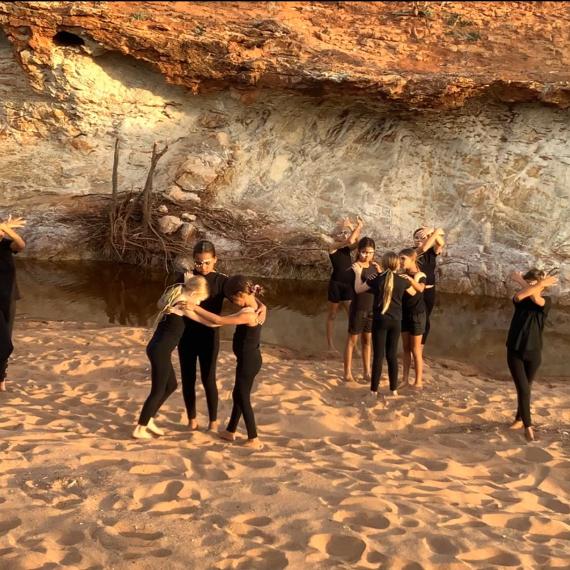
(390, 264)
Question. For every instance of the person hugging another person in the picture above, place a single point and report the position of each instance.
(169, 329)
(524, 340)
(10, 243)
(428, 243)
(341, 282)
(246, 348)
(361, 312)
(388, 288)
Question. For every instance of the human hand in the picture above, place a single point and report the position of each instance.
(549, 281)
(377, 266)
(13, 223)
(359, 222)
(439, 232)
(347, 223)
(356, 267)
(174, 311)
(261, 313)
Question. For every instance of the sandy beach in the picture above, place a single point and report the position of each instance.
(430, 480)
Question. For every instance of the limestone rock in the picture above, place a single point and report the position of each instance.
(197, 172)
(176, 194)
(169, 224)
(163, 209)
(188, 217)
(187, 231)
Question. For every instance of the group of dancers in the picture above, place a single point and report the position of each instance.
(383, 300)
(397, 296)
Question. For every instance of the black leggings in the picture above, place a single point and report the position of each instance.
(6, 347)
(159, 351)
(523, 370)
(248, 366)
(429, 300)
(201, 343)
(385, 338)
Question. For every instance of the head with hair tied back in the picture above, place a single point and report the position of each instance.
(242, 291)
(390, 264)
(205, 259)
(534, 275)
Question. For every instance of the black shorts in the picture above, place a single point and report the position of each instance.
(415, 324)
(360, 322)
(339, 291)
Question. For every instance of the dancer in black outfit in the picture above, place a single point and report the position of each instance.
(429, 243)
(389, 290)
(169, 329)
(246, 343)
(10, 243)
(340, 290)
(413, 316)
(202, 343)
(361, 312)
(524, 340)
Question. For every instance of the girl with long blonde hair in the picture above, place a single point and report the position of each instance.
(169, 328)
(388, 288)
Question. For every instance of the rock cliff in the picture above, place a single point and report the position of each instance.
(290, 115)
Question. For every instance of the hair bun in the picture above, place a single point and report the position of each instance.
(257, 289)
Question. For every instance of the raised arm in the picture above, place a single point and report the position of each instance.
(9, 227)
(359, 285)
(435, 240)
(535, 290)
(355, 235)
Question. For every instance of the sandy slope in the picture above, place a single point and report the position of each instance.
(433, 480)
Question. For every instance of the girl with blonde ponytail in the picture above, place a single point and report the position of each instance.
(388, 288)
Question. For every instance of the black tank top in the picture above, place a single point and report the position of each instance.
(342, 262)
(427, 262)
(414, 304)
(246, 339)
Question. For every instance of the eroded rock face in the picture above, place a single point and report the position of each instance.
(478, 154)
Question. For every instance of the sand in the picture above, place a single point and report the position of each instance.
(432, 480)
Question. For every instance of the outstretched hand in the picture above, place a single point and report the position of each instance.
(549, 281)
(13, 223)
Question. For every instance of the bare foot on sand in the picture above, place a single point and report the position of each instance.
(227, 435)
(141, 432)
(213, 426)
(349, 379)
(152, 427)
(253, 443)
(517, 424)
(3, 386)
(193, 424)
(394, 394)
(529, 434)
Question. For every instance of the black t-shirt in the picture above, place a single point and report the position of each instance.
(342, 262)
(414, 304)
(376, 284)
(427, 262)
(8, 288)
(527, 324)
(363, 301)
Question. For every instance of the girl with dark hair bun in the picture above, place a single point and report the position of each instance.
(524, 340)
(388, 288)
(246, 348)
(201, 343)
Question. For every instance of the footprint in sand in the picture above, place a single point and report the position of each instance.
(263, 559)
(362, 519)
(71, 538)
(7, 525)
(441, 545)
(346, 548)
